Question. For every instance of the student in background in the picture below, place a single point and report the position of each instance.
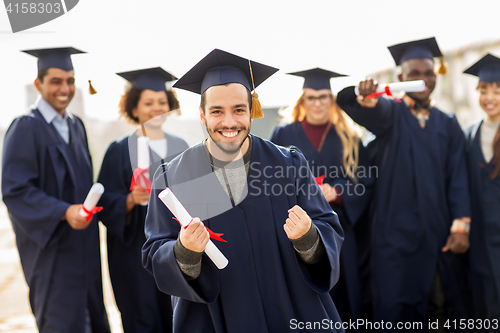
(46, 175)
(483, 158)
(146, 103)
(421, 202)
(331, 144)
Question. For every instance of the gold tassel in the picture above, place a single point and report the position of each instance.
(443, 67)
(256, 111)
(92, 91)
(256, 107)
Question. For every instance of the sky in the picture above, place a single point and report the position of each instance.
(349, 37)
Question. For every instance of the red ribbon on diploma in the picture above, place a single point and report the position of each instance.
(386, 91)
(319, 179)
(212, 234)
(139, 178)
(90, 213)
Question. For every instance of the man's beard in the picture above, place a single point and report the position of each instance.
(220, 145)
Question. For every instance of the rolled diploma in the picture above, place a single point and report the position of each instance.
(143, 158)
(396, 87)
(175, 206)
(92, 198)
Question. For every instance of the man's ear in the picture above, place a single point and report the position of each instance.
(400, 77)
(202, 117)
(38, 84)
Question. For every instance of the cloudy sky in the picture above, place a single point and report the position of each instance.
(349, 37)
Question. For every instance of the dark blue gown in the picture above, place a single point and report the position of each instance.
(485, 230)
(347, 292)
(41, 177)
(421, 188)
(143, 307)
(266, 287)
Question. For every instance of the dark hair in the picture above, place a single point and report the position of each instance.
(203, 100)
(42, 73)
(131, 97)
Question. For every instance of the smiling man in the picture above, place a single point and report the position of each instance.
(282, 245)
(421, 204)
(46, 175)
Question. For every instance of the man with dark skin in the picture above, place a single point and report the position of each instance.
(46, 175)
(420, 220)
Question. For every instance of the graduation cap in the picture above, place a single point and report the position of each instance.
(148, 78)
(220, 67)
(418, 49)
(317, 78)
(54, 57)
(487, 69)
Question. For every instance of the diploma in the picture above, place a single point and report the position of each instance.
(143, 162)
(89, 205)
(143, 152)
(397, 87)
(184, 218)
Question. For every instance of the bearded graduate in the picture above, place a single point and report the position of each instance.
(329, 140)
(283, 246)
(146, 103)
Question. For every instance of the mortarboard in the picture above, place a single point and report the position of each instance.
(220, 67)
(487, 69)
(317, 78)
(54, 57)
(148, 78)
(418, 49)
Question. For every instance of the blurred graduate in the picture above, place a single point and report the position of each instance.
(146, 103)
(46, 175)
(330, 142)
(421, 201)
(483, 157)
(283, 246)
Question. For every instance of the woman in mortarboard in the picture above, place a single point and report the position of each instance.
(330, 142)
(146, 103)
(483, 157)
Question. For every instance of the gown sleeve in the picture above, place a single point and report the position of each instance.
(113, 177)
(377, 120)
(456, 171)
(32, 209)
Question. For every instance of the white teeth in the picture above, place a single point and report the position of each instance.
(62, 98)
(229, 134)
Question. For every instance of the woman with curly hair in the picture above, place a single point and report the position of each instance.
(146, 102)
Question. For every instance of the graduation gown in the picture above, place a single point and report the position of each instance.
(328, 162)
(485, 230)
(142, 306)
(266, 287)
(421, 188)
(42, 176)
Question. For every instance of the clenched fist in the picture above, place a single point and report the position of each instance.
(298, 223)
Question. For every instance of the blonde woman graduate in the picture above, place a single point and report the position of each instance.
(337, 158)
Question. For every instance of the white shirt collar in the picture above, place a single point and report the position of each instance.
(49, 113)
